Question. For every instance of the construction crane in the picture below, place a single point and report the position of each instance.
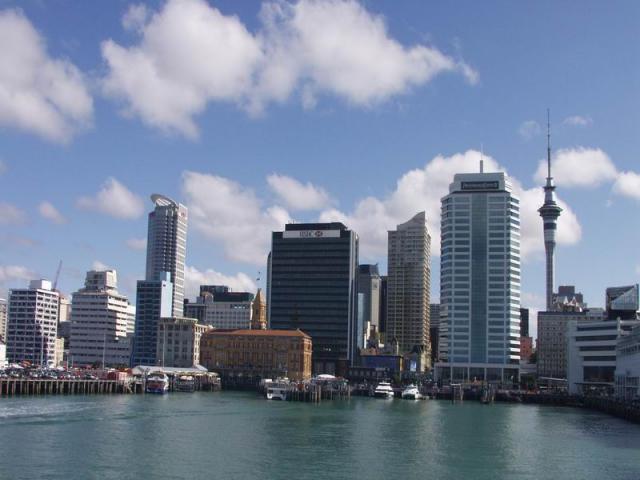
(55, 280)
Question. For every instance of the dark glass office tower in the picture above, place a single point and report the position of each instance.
(312, 286)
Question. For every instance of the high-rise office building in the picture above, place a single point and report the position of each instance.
(549, 211)
(480, 279)
(102, 322)
(434, 330)
(524, 322)
(369, 287)
(154, 300)
(383, 307)
(408, 289)
(312, 286)
(167, 244)
(32, 323)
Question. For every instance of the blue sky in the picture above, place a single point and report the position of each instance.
(255, 113)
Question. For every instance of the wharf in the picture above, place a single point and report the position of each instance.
(10, 387)
(28, 386)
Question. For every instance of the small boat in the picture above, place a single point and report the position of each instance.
(276, 392)
(383, 390)
(186, 383)
(157, 382)
(411, 393)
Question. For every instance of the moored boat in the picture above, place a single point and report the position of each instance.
(383, 390)
(276, 392)
(157, 382)
(186, 383)
(411, 392)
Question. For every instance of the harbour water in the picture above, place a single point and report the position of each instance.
(233, 435)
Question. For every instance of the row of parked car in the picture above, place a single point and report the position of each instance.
(46, 374)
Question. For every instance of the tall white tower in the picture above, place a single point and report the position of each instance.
(480, 280)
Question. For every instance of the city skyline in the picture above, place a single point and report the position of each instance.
(79, 193)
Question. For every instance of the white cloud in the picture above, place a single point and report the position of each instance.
(13, 273)
(115, 200)
(136, 17)
(422, 189)
(578, 167)
(11, 215)
(193, 278)
(297, 195)
(578, 121)
(529, 129)
(137, 243)
(233, 216)
(228, 213)
(99, 266)
(340, 48)
(39, 94)
(628, 185)
(48, 211)
(190, 54)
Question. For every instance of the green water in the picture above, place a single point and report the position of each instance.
(228, 435)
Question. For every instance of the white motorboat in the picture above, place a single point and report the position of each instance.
(383, 390)
(157, 382)
(276, 392)
(411, 392)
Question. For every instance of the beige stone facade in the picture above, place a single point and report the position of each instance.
(268, 353)
(178, 342)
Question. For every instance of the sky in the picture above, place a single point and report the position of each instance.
(255, 114)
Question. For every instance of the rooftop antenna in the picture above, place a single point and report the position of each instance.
(481, 159)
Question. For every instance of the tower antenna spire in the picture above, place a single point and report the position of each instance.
(550, 211)
(548, 145)
(481, 158)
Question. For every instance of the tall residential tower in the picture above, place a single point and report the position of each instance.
(550, 211)
(408, 291)
(166, 246)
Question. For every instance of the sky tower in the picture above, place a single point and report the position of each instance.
(550, 211)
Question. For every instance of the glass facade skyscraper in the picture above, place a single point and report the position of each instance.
(312, 286)
(167, 245)
(480, 279)
(154, 300)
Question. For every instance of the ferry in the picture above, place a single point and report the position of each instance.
(186, 383)
(157, 382)
(383, 390)
(411, 393)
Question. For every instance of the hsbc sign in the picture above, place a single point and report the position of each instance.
(311, 234)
